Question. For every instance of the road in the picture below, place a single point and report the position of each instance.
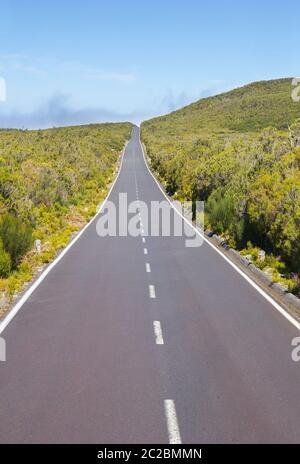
(119, 346)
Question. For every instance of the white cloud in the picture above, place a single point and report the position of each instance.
(44, 66)
(112, 76)
(23, 63)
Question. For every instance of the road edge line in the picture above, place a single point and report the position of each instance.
(277, 306)
(16, 308)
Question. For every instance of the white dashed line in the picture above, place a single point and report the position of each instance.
(145, 251)
(172, 423)
(152, 293)
(148, 268)
(159, 340)
(144, 240)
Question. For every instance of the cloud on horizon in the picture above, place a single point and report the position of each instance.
(57, 111)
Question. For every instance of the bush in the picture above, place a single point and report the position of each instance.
(5, 262)
(222, 215)
(16, 237)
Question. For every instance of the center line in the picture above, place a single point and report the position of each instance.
(145, 251)
(172, 423)
(152, 293)
(158, 333)
(148, 268)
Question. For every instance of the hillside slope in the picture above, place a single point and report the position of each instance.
(240, 152)
(249, 108)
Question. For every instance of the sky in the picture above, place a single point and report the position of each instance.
(75, 62)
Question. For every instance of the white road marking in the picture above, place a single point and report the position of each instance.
(15, 309)
(152, 293)
(148, 268)
(142, 230)
(277, 306)
(172, 423)
(145, 251)
(143, 240)
(159, 340)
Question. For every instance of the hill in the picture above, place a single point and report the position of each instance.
(239, 152)
(249, 108)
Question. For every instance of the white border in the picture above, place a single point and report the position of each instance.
(15, 309)
(279, 308)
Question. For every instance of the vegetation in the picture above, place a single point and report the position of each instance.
(51, 182)
(239, 152)
(16, 238)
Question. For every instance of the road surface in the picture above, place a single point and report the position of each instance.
(146, 341)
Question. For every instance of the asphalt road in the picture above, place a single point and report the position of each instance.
(86, 363)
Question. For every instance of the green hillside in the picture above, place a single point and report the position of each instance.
(249, 108)
(51, 182)
(240, 152)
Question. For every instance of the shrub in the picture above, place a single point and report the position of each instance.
(222, 215)
(16, 237)
(5, 262)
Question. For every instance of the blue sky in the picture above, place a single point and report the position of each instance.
(68, 62)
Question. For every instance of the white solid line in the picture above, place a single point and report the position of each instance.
(152, 293)
(12, 313)
(159, 340)
(148, 268)
(145, 251)
(279, 308)
(172, 423)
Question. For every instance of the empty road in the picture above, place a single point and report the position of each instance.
(143, 340)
